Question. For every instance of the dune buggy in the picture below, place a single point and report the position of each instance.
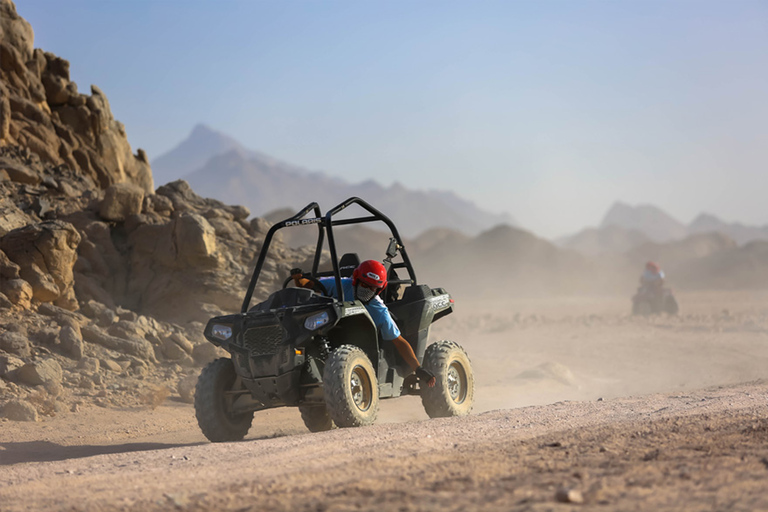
(301, 348)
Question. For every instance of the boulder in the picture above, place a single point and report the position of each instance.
(172, 351)
(46, 253)
(8, 269)
(139, 348)
(71, 342)
(18, 291)
(19, 173)
(14, 343)
(19, 410)
(120, 201)
(44, 372)
(89, 364)
(9, 364)
(11, 217)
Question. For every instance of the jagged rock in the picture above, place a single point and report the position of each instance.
(120, 201)
(8, 269)
(111, 365)
(44, 372)
(172, 351)
(18, 291)
(9, 364)
(182, 341)
(11, 217)
(89, 364)
(136, 347)
(16, 31)
(19, 173)
(62, 316)
(186, 388)
(71, 341)
(97, 311)
(5, 302)
(19, 410)
(14, 343)
(46, 253)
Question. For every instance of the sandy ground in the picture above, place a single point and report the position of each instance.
(578, 406)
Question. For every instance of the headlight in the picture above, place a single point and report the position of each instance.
(315, 321)
(222, 332)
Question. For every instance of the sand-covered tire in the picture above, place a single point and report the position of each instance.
(642, 308)
(213, 403)
(350, 388)
(316, 418)
(670, 305)
(454, 390)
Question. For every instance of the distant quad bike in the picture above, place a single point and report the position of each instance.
(649, 302)
(301, 348)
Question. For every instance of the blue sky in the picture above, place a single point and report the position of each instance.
(549, 110)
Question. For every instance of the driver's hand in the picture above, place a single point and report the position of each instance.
(425, 376)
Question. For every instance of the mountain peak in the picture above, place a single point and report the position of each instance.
(650, 219)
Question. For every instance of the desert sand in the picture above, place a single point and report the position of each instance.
(578, 406)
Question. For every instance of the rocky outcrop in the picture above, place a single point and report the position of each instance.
(42, 110)
(105, 283)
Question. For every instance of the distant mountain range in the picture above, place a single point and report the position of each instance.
(218, 166)
(626, 227)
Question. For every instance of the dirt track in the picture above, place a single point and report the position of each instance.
(698, 446)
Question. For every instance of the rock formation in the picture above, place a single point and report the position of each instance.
(105, 283)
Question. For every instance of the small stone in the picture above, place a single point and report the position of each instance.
(566, 495)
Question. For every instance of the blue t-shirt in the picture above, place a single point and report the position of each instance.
(376, 307)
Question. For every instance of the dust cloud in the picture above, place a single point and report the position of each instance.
(549, 349)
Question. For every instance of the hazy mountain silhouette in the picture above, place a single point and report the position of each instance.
(626, 227)
(740, 233)
(225, 170)
(654, 222)
(203, 144)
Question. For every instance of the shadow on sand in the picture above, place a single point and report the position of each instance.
(46, 451)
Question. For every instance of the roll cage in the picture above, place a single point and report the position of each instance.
(325, 224)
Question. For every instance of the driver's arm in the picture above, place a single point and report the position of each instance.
(406, 352)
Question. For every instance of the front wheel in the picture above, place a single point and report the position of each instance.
(350, 388)
(454, 390)
(670, 305)
(215, 394)
(316, 418)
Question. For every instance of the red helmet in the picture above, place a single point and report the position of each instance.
(652, 266)
(372, 273)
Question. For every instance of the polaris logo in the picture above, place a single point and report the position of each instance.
(304, 222)
(355, 310)
(440, 302)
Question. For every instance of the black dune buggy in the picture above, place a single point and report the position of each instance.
(323, 355)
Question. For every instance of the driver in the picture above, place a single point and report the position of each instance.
(652, 279)
(368, 280)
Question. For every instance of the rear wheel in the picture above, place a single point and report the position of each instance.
(454, 390)
(216, 390)
(350, 388)
(316, 418)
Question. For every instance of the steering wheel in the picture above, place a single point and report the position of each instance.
(317, 286)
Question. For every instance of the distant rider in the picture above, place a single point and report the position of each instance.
(652, 279)
(368, 281)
